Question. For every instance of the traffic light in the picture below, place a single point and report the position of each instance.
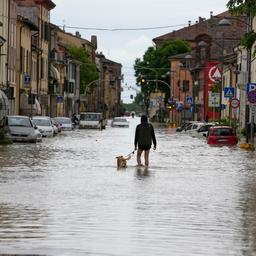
(172, 105)
(142, 81)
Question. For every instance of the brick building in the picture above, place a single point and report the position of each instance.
(210, 42)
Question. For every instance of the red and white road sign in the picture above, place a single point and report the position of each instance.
(215, 73)
(252, 97)
(235, 103)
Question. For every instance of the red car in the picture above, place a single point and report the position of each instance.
(221, 135)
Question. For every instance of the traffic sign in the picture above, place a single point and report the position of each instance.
(250, 87)
(229, 92)
(189, 100)
(252, 97)
(214, 99)
(27, 79)
(235, 103)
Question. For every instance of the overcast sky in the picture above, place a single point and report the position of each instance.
(125, 46)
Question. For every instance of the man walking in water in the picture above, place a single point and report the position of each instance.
(144, 136)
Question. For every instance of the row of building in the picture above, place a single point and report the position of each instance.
(39, 76)
(217, 78)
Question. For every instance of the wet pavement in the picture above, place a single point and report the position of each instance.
(65, 196)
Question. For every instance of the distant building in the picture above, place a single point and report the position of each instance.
(210, 42)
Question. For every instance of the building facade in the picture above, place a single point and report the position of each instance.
(209, 42)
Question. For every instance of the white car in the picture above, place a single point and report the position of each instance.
(203, 130)
(91, 120)
(21, 128)
(193, 127)
(65, 122)
(120, 122)
(44, 125)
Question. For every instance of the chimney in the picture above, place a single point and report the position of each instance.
(201, 19)
(211, 14)
(94, 41)
(78, 34)
(189, 23)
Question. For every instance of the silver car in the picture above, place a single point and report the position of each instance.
(44, 125)
(21, 128)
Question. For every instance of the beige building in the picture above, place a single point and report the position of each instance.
(3, 57)
(37, 11)
(26, 69)
(64, 75)
(107, 94)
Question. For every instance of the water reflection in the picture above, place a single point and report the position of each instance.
(21, 222)
(142, 172)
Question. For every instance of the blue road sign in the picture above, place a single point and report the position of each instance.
(223, 106)
(27, 79)
(229, 92)
(250, 87)
(189, 100)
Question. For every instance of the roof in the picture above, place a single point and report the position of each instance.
(188, 33)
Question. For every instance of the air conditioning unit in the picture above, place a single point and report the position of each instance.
(242, 79)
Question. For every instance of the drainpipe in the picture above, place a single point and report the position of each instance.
(7, 57)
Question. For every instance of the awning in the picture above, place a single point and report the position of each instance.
(27, 108)
(54, 73)
(4, 105)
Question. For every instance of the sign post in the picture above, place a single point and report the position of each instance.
(251, 97)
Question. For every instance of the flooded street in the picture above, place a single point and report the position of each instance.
(65, 196)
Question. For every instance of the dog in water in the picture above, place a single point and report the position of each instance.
(122, 161)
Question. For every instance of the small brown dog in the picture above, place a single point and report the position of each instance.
(122, 161)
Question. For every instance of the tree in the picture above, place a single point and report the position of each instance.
(88, 69)
(245, 7)
(155, 64)
(242, 7)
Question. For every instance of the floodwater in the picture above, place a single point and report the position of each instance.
(65, 196)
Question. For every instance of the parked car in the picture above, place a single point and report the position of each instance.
(193, 127)
(184, 126)
(57, 126)
(202, 130)
(92, 120)
(65, 122)
(120, 122)
(44, 125)
(21, 128)
(221, 135)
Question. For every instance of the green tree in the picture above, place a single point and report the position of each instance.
(242, 7)
(245, 7)
(88, 69)
(155, 64)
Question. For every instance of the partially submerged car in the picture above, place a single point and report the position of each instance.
(44, 125)
(221, 135)
(65, 123)
(120, 122)
(91, 120)
(21, 129)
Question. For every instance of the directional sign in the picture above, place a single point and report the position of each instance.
(229, 92)
(189, 100)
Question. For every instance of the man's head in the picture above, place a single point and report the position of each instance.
(144, 119)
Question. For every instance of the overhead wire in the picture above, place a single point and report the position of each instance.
(122, 29)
